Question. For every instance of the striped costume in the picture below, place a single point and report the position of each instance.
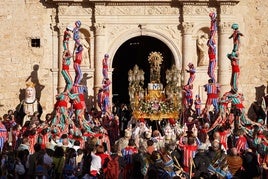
(66, 37)
(223, 139)
(77, 63)
(78, 108)
(106, 96)
(3, 135)
(237, 103)
(127, 154)
(189, 151)
(61, 105)
(236, 40)
(66, 61)
(82, 90)
(235, 72)
(32, 141)
(212, 90)
(76, 36)
(212, 51)
(105, 66)
(188, 154)
(212, 64)
(241, 143)
(191, 71)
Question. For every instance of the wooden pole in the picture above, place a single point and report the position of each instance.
(191, 168)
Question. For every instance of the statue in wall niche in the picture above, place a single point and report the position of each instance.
(86, 53)
(202, 49)
(29, 105)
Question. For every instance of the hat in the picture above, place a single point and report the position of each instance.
(78, 23)
(212, 15)
(172, 121)
(260, 120)
(190, 64)
(76, 147)
(235, 26)
(69, 28)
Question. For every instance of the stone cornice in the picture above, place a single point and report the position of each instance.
(207, 2)
(110, 2)
(142, 2)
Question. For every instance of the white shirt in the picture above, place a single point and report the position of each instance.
(95, 163)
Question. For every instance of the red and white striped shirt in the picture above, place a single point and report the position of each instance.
(241, 143)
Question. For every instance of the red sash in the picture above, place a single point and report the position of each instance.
(212, 96)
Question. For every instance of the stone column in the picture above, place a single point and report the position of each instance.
(99, 54)
(224, 47)
(61, 82)
(186, 48)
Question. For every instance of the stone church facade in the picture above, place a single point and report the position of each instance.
(32, 34)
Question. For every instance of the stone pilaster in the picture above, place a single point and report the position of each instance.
(99, 55)
(225, 45)
(61, 82)
(226, 18)
(187, 47)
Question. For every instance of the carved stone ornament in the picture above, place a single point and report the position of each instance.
(73, 10)
(225, 27)
(61, 27)
(114, 30)
(99, 28)
(169, 30)
(136, 10)
(197, 10)
(188, 27)
(226, 10)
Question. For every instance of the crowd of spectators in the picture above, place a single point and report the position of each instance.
(122, 147)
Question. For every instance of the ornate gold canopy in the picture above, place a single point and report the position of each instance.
(155, 102)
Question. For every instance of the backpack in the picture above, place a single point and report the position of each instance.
(20, 168)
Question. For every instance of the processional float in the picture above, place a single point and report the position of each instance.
(155, 102)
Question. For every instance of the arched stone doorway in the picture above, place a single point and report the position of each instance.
(136, 51)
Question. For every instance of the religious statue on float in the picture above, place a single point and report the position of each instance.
(29, 105)
(154, 102)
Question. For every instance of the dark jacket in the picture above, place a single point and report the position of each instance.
(251, 165)
(201, 161)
